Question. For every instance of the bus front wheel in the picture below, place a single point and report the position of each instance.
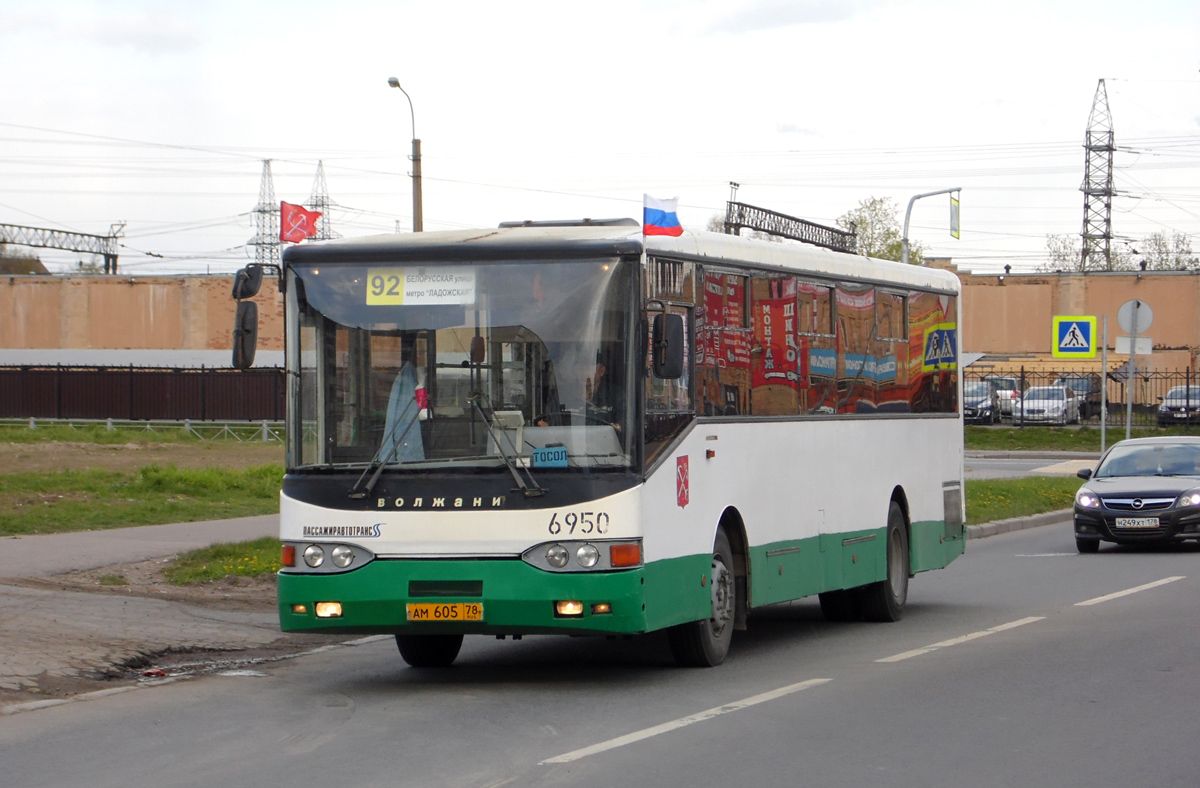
(705, 643)
(429, 651)
(884, 601)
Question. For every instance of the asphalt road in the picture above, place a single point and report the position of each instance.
(1002, 465)
(1013, 667)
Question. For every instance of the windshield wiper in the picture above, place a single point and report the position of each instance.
(379, 462)
(526, 489)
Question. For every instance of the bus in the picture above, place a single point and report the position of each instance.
(574, 428)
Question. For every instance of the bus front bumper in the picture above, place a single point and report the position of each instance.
(515, 599)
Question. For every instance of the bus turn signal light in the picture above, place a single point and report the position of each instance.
(625, 554)
(289, 555)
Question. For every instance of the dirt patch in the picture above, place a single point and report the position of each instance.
(145, 579)
(120, 657)
(42, 457)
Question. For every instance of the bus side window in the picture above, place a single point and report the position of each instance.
(932, 321)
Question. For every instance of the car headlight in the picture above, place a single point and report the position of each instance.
(1087, 499)
(1163, 408)
(1189, 498)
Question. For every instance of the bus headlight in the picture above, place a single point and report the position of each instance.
(557, 556)
(307, 558)
(592, 555)
(587, 556)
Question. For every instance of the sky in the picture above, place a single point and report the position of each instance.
(160, 114)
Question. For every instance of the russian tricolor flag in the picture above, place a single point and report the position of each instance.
(658, 216)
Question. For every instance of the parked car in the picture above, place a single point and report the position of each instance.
(1145, 490)
(1008, 390)
(1180, 406)
(981, 402)
(1087, 391)
(1047, 405)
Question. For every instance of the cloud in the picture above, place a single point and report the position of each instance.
(790, 128)
(754, 15)
(153, 33)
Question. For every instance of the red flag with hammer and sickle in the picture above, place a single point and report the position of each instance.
(296, 223)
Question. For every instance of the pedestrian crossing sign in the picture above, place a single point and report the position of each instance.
(1074, 336)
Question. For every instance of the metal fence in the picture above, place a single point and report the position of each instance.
(134, 394)
(1149, 389)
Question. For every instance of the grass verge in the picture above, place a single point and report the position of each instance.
(43, 503)
(99, 433)
(1056, 438)
(1000, 499)
(241, 559)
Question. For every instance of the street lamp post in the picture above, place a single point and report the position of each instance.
(418, 224)
(908, 213)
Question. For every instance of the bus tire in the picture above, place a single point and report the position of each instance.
(884, 601)
(839, 605)
(429, 651)
(705, 643)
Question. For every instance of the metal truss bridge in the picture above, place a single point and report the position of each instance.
(103, 245)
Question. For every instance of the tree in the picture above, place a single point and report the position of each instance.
(1162, 252)
(877, 230)
(1065, 254)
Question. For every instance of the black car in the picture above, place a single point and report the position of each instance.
(981, 402)
(1180, 406)
(1145, 491)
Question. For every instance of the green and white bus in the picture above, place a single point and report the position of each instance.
(579, 429)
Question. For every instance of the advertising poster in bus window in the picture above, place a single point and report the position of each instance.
(714, 299)
(775, 333)
(735, 301)
(735, 347)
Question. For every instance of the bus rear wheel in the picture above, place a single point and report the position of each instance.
(429, 651)
(884, 601)
(704, 644)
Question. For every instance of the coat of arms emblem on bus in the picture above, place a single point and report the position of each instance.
(681, 481)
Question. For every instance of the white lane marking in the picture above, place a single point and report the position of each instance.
(682, 722)
(1067, 467)
(1129, 591)
(963, 639)
(1045, 555)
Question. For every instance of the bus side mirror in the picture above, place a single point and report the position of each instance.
(666, 346)
(247, 281)
(245, 334)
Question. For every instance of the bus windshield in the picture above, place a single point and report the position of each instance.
(415, 365)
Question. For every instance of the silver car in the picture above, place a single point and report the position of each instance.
(1047, 405)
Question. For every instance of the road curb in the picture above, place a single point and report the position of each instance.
(1018, 524)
